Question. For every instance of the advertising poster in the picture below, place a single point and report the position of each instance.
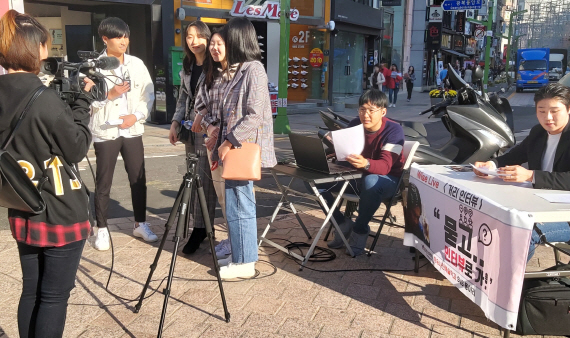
(480, 247)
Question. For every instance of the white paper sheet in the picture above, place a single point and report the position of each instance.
(116, 122)
(492, 172)
(348, 141)
(554, 198)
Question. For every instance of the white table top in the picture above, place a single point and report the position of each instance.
(519, 196)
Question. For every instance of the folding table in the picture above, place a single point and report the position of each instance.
(312, 178)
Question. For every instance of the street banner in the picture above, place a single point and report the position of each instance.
(478, 245)
(435, 14)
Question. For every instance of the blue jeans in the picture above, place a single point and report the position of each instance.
(48, 275)
(242, 222)
(393, 95)
(372, 189)
(553, 232)
(385, 89)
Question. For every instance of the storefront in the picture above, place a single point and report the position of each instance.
(73, 25)
(355, 47)
(307, 38)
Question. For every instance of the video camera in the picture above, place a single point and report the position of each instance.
(67, 82)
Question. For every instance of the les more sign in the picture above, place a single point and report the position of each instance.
(269, 9)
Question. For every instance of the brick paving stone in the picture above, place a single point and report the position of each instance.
(264, 322)
(268, 289)
(388, 282)
(301, 294)
(334, 331)
(329, 298)
(434, 316)
(395, 297)
(221, 331)
(198, 296)
(479, 324)
(362, 291)
(428, 301)
(367, 306)
(450, 291)
(296, 327)
(403, 312)
(404, 328)
(377, 323)
(263, 305)
(186, 322)
(297, 309)
(442, 331)
(334, 317)
(466, 307)
(98, 332)
(260, 334)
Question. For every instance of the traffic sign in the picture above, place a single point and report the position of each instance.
(459, 5)
(479, 33)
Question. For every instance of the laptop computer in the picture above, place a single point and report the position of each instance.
(310, 154)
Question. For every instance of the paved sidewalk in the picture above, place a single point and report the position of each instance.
(280, 302)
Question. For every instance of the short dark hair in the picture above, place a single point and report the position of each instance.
(20, 38)
(203, 32)
(113, 27)
(373, 97)
(554, 91)
(241, 41)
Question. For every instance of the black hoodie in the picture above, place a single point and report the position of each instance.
(51, 127)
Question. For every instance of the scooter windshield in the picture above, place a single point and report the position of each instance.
(455, 79)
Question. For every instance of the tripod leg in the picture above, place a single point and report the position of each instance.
(210, 232)
(169, 223)
(184, 203)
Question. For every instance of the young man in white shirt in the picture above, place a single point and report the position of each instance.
(117, 127)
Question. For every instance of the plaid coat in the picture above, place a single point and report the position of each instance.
(242, 106)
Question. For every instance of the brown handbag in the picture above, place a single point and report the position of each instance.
(243, 164)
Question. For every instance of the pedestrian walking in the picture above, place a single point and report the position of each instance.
(394, 85)
(410, 77)
(191, 76)
(388, 81)
(234, 107)
(129, 99)
(468, 74)
(51, 138)
(377, 79)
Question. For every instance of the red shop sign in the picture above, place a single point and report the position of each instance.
(316, 57)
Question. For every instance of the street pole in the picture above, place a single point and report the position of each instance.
(488, 42)
(509, 42)
(281, 125)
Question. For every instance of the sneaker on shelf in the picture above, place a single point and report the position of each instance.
(224, 249)
(237, 270)
(225, 261)
(143, 231)
(100, 241)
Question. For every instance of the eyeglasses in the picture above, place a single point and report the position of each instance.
(370, 112)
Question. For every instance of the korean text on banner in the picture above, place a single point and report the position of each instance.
(478, 245)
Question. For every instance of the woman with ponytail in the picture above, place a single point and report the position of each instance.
(50, 140)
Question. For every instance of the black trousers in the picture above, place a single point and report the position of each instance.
(48, 278)
(132, 151)
(410, 87)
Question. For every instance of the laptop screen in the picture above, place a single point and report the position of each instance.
(309, 152)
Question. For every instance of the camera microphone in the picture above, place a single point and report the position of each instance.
(104, 63)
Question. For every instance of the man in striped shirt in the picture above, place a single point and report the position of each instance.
(382, 165)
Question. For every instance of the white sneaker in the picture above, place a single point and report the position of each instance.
(225, 261)
(100, 240)
(389, 105)
(236, 270)
(224, 249)
(144, 232)
(393, 105)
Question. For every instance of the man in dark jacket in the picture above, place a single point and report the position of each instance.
(547, 151)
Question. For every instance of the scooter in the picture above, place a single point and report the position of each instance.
(481, 126)
(477, 124)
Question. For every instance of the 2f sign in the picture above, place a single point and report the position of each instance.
(302, 38)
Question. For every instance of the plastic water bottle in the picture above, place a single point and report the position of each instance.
(187, 124)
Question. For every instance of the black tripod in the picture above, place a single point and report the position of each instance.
(181, 207)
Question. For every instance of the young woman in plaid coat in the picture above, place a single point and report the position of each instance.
(234, 107)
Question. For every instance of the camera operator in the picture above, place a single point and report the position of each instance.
(129, 101)
(52, 137)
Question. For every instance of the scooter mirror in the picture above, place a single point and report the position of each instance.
(478, 74)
